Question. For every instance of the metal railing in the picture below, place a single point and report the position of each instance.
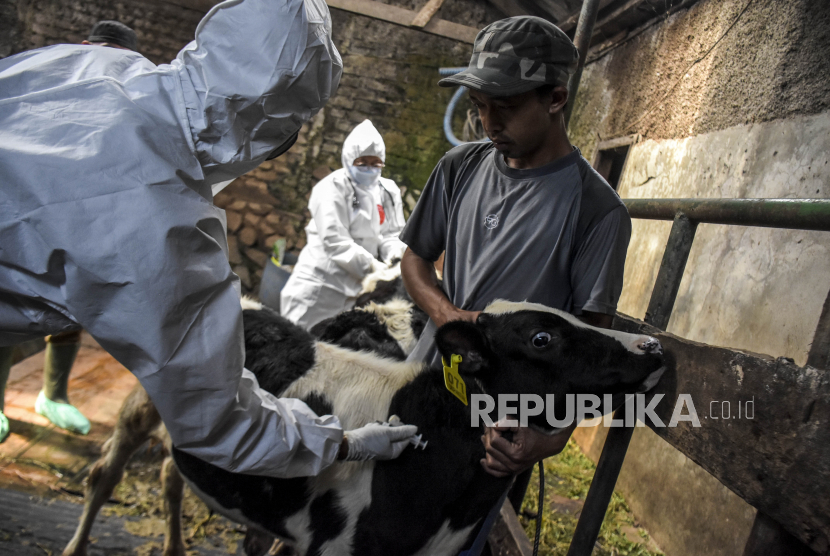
(808, 214)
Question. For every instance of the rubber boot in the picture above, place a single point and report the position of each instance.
(53, 400)
(5, 367)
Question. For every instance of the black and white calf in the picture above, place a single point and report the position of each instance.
(385, 296)
(384, 329)
(427, 502)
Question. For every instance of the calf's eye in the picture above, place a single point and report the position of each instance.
(541, 339)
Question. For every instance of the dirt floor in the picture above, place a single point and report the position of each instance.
(42, 470)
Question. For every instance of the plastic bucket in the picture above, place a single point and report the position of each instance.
(274, 279)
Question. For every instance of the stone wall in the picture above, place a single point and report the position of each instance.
(729, 99)
(390, 76)
(162, 28)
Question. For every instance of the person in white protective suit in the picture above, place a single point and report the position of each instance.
(53, 400)
(108, 167)
(356, 217)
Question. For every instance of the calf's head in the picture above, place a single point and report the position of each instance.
(526, 348)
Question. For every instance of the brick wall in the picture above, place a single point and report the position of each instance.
(390, 78)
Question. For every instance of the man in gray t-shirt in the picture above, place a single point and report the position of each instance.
(555, 235)
(523, 217)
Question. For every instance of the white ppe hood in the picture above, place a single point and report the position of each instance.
(364, 140)
(346, 238)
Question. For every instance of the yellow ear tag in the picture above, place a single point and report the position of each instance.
(452, 380)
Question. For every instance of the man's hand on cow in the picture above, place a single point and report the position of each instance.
(376, 441)
(451, 313)
(421, 282)
(509, 457)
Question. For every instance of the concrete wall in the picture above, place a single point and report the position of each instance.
(730, 100)
(759, 289)
(708, 68)
(390, 77)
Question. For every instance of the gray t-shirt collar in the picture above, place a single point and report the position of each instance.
(531, 173)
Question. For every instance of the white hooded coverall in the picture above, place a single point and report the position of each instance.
(346, 239)
(107, 221)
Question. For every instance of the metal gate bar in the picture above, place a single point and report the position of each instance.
(665, 290)
(794, 214)
(809, 214)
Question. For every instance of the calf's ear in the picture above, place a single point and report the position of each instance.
(465, 339)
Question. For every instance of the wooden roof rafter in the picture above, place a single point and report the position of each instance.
(427, 13)
(423, 20)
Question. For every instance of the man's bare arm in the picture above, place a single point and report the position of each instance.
(600, 320)
(420, 281)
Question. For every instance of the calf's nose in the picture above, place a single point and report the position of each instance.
(650, 345)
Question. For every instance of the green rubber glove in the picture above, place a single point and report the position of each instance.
(63, 415)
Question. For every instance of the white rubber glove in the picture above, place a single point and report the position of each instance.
(379, 440)
(377, 266)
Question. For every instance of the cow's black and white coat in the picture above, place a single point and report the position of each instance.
(384, 330)
(427, 502)
(385, 296)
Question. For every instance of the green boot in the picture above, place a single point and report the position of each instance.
(5, 367)
(53, 400)
(63, 415)
(4, 428)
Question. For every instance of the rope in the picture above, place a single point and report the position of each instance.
(539, 509)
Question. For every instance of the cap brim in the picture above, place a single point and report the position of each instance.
(490, 81)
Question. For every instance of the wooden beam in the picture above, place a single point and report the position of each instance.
(618, 142)
(555, 9)
(404, 17)
(767, 538)
(201, 6)
(507, 538)
(819, 356)
(582, 41)
(570, 22)
(376, 10)
(618, 11)
(777, 457)
(426, 13)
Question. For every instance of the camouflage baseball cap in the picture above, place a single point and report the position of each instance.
(515, 55)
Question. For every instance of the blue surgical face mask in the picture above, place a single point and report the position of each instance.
(364, 175)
